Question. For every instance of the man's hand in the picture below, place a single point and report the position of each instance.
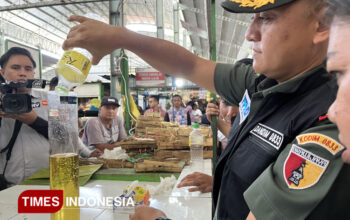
(146, 213)
(212, 109)
(201, 181)
(97, 37)
(96, 153)
(27, 118)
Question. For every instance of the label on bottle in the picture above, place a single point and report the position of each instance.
(77, 60)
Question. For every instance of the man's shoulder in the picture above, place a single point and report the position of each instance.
(321, 138)
(118, 119)
(93, 120)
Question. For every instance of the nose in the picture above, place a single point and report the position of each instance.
(332, 112)
(253, 32)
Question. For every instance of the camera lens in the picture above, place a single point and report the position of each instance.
(16, 103)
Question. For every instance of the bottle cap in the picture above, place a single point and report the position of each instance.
(195, 125)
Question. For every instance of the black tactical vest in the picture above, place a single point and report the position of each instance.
(257, 142)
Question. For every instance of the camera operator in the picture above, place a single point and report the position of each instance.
(30, 147)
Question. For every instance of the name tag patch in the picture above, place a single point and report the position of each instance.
(244, 107)
(269, 135)
(303, 169)
(324, 141)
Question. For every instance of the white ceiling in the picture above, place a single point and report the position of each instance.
(44, 23)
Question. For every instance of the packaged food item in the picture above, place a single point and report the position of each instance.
(135, 195)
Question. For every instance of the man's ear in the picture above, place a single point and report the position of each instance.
(322, 28)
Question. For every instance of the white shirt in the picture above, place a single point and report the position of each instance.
(30, 152)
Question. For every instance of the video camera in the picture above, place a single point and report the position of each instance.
(87, 113)
(14, 98)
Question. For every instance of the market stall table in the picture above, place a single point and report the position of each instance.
(179, 204)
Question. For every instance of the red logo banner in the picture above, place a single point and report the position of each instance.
(40, 201)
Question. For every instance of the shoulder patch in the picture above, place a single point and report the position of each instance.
(269, 135)
(324, 141)
(244, 107)
(303, 169)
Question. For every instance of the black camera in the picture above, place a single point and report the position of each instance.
(14, 97)
(88, 113)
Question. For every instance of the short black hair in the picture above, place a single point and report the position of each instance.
(53, 82)
(155, 97)
(177, 96)
(15, 51)
(191, 103)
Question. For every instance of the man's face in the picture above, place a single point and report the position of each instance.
(18, 68)
(108, 112)
(339, 63)
(152, 102)
(282, 40)
(177, 102)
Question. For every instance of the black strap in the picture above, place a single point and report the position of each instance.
(9, 147)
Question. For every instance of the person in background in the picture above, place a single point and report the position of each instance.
(153, 102)
(177, 112)
(226, 114)
(339, 63)
(107, 130)
(30, 152)
(53, 83)
(197, 113)
(189, 112)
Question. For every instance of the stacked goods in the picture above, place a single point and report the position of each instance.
(174, 143)
(149, 120)
(138, 144)
(107, 163)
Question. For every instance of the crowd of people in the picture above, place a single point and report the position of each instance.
(284, 157)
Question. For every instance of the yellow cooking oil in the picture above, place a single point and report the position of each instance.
(64, 175)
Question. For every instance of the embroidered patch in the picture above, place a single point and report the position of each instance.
(303, 169)
(244, 107)
(324, 141)
(253, 3)
(269, 135)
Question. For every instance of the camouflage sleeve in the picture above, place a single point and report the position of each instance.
(300, 178)
(231, 81)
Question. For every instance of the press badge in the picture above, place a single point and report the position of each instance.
(244, 107)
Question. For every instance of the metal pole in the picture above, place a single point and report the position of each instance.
(2, 42)
(176, 22)
(115, 18)
(125, 90)
(212, 41)
(159, 19)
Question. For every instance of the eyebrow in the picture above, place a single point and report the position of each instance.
(330, 54)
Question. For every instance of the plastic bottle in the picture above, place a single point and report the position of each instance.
(196, 148)
(73, 69)
(74, 65)
(64, 159)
